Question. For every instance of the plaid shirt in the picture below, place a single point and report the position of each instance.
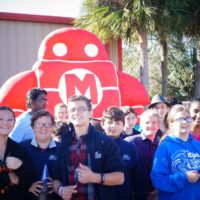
(78, 154)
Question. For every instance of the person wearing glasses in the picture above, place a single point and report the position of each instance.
(36, 99)
(42, 152)
(176, 168)
(14, 160)
(88, 164)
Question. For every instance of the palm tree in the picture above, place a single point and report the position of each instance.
(193, 29)
(121, 19)
(170, 20)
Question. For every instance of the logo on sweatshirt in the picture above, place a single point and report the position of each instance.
(52, 157)
(184, 160)
(126, 157)
(97, 155)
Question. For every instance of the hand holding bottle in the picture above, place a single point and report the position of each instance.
(50, 185)
(36, 188)
(44, 192)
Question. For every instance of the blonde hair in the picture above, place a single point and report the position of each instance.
(169, 118)
(148, 113)
(60, 105)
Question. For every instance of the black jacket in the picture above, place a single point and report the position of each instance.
(105, 158)
(15, 192)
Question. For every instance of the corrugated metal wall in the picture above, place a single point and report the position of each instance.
(19, 44)
(20, 41)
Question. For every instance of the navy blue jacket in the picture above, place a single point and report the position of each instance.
(105, 158)
(39, 157)
(135, 184)
(134, 132)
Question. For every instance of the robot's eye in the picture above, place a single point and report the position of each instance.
(91, 50)
(60, 49)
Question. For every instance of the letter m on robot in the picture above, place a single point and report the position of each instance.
(92, 84)
(87, 86)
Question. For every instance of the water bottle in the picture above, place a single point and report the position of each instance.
(44, 193)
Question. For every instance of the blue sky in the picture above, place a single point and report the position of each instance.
(65, 8)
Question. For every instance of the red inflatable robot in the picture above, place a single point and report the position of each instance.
(74, 61)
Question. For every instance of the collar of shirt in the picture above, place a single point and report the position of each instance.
(82, 137)
(144, 137)
(156, 139)
(34, 143)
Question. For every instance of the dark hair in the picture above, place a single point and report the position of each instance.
(81, 98)
(113, 113)
(129, 109)
(41, 113)
(197, 100)
(61, 128)
(97, 124)
(173, 101)
(33, 94)
(8, 109)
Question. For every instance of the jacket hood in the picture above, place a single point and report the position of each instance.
(191, 140)
(172, 138)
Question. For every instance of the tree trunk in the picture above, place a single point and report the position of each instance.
(144, 62)
(197, 73)
(163, 65)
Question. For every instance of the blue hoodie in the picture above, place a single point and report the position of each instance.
(172, 160)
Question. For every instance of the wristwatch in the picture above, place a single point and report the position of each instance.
(102, 178)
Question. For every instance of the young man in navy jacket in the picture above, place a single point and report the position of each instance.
(89, 164)
(134, 186)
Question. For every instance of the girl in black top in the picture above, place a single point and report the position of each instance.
(14, 162)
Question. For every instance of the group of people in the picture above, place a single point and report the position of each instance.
(114, 158)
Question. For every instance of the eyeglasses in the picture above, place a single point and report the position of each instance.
(41, 100)
(184, 119)
(45, 125)
(78, 110)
